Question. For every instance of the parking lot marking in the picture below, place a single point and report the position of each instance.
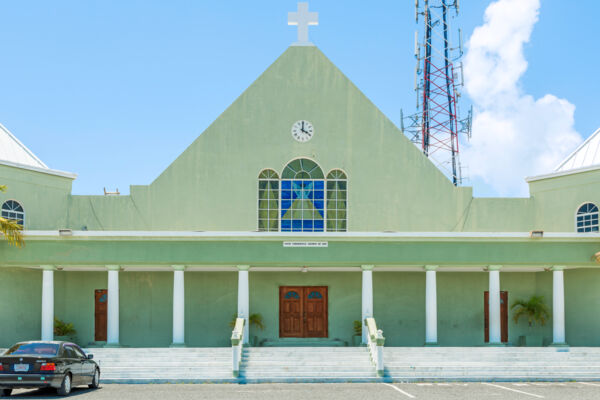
(400, 390)
(589, 383)
(513, 390)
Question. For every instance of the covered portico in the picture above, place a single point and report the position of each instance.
(368, 274)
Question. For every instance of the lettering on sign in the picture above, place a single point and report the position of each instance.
(305, 244)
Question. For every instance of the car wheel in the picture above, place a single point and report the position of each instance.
(5, 392)
(95, 380)
(65, 386)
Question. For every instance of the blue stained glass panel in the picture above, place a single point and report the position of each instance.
(315, 295)
(292, 295)
(302, 204)
(297, 225)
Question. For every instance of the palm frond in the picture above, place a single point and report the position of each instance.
(257, 320)
(534, 309)
(12, 231)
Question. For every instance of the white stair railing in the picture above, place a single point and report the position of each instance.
(237, 343)
(375, 344)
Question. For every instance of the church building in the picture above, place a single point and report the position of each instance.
(303, 206)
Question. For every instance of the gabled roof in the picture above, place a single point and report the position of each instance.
(13, 151)
(16, 154)
(585, 156)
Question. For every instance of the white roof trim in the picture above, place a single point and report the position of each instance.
(19, 153)
(561, 173)
(308, 235)
(13, 153)
(46, 170)
(586, 155)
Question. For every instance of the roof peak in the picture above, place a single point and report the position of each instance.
(584, 156)
(15, 154)
(13, 151)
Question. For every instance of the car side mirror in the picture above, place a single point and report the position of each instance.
(90, 356)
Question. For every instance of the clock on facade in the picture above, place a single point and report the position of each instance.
(302, 131)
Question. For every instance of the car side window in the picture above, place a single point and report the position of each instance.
(79, 353)
(69, 352)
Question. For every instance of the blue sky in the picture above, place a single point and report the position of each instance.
(115, 90)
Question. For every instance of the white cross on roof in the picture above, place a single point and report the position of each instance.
(303, 18)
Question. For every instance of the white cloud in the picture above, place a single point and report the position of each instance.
(514, 135)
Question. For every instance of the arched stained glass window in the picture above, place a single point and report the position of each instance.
(268, 201)
(337, 192)
(14, 211)
(587, 218)
(302, 168)
(302, 197)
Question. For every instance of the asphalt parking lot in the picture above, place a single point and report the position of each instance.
(334, 391)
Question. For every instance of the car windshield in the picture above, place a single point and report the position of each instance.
(33, 349)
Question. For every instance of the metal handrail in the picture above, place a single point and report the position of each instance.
(237, 343)
(375, 344)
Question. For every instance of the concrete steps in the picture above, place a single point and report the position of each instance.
(348, 364)
(491, 363)
(164, 365)
(307, 364)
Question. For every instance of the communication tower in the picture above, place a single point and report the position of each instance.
(437, 124)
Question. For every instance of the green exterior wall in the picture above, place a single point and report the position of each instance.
(20, 305)
(582, 307)
(211, 301)
(74, 300)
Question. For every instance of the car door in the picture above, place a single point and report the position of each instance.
(87, 366)
(73, 364)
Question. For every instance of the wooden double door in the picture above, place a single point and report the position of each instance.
(303, 311)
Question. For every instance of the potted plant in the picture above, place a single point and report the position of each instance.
(64, 331)
(536, 312)
(357, 333)
(255, 319)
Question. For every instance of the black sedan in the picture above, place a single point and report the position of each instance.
(61, 365)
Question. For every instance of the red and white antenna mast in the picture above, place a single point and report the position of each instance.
(436, 125)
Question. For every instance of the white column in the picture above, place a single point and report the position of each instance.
(48, 302)
(113, 306)
(558, 306)
(494, 304)
(244, 299)
(430, 305)
(178, 306)
(367, 299)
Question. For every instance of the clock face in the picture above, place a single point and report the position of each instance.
(302, 131)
